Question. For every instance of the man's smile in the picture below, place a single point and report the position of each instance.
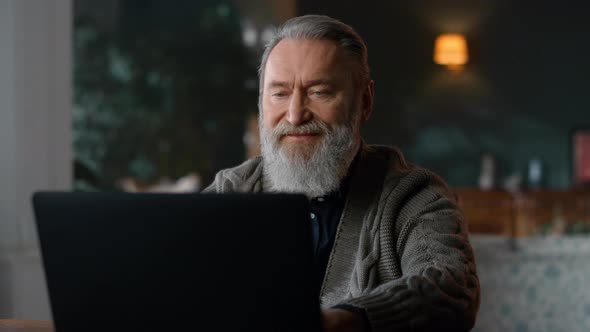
(302, 137)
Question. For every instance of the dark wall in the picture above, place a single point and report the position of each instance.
(519, 97)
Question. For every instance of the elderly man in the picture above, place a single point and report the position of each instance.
(391, 245)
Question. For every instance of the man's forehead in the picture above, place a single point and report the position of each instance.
(321, 59)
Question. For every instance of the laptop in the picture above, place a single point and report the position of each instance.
(166, 262)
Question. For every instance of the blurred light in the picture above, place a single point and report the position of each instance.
(249, 34)
(267, 34)
(451, 50)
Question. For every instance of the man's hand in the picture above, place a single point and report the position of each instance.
(340, 320)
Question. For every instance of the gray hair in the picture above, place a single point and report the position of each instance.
(315, 27)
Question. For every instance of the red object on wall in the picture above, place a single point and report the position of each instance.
(582, 157)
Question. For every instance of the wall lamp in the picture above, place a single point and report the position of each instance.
(451, 50)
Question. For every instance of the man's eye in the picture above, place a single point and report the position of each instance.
(279, 94)
(321, 93)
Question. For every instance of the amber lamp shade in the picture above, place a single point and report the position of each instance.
(451, 50)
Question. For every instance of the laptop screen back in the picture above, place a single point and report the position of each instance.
(153, 262)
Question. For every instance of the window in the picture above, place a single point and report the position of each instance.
(162, 91)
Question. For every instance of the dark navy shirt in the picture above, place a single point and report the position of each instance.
(325, 216)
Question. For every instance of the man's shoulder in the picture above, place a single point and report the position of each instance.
(390, 158)
(413, 191)
(243, 177)
(386, 152)
(403, 175)
(245, 169)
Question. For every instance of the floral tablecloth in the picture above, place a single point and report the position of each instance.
(533, 284)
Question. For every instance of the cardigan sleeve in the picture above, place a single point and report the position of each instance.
(439, 287)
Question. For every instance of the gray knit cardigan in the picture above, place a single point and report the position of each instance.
(401, 251)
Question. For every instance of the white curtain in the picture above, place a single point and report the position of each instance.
(35, 139)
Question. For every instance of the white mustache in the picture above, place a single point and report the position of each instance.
(308, 128)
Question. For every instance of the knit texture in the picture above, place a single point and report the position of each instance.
(401, 251)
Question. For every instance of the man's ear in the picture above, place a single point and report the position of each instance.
(367, 101)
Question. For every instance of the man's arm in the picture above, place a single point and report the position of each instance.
(439, 288)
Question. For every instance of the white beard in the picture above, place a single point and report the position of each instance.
(313, 170)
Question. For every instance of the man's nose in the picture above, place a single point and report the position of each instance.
(298, 112)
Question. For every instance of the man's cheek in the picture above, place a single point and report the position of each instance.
(271, 121)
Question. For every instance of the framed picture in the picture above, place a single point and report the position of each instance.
(581, 157)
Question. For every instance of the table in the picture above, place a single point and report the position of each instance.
(20, 325)
(535, 284)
